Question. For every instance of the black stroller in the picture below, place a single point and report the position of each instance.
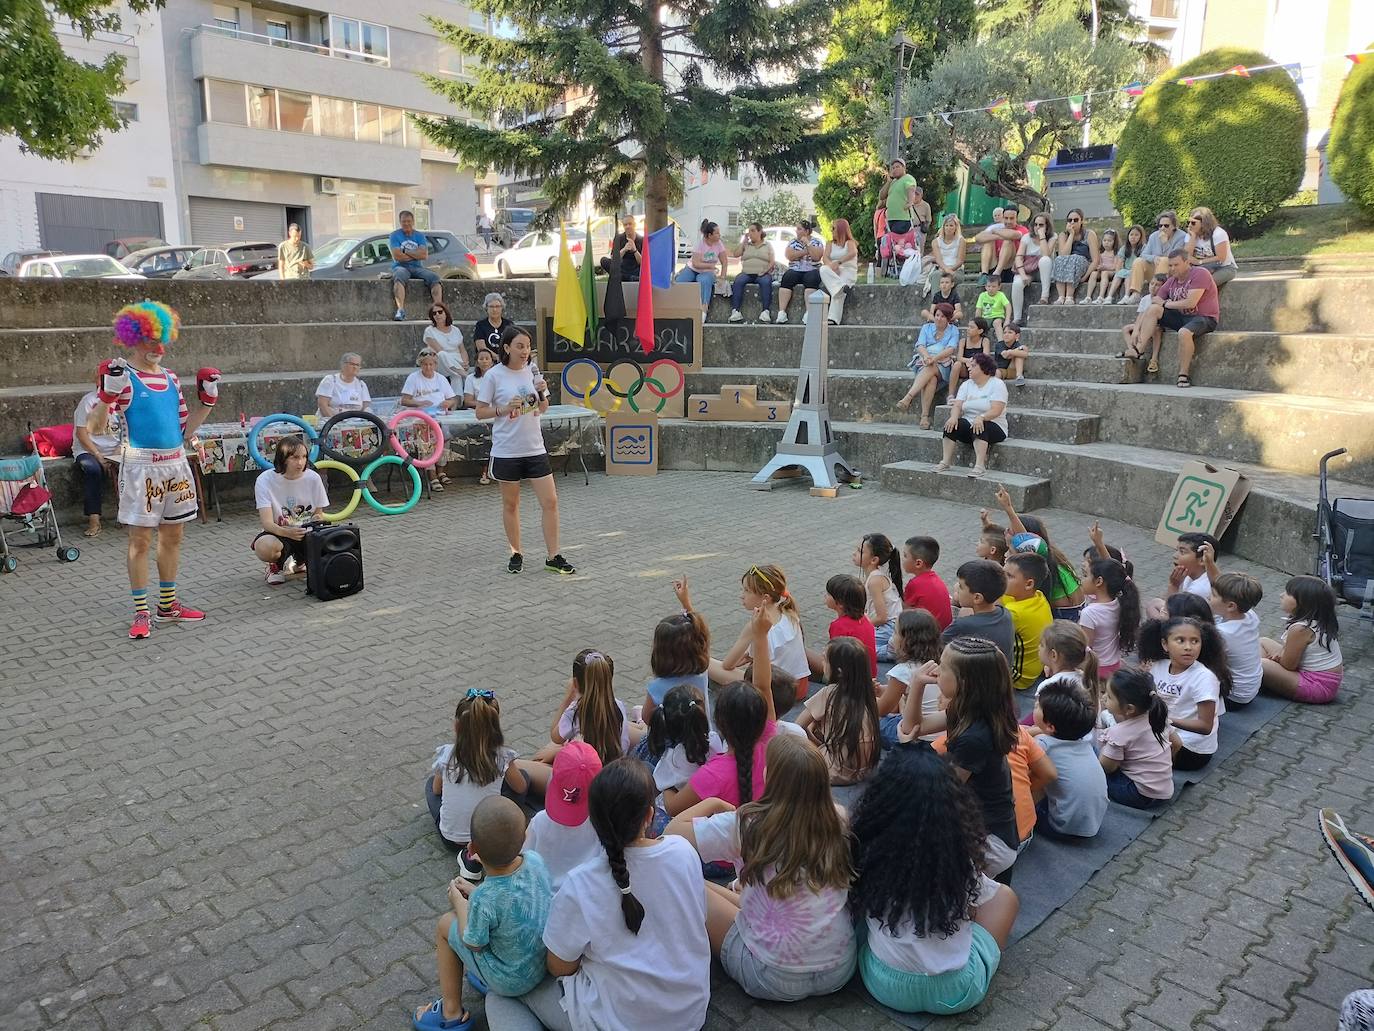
(1345, 543)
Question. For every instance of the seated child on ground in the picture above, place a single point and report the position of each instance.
(979, 587)
(1188, 663)
(590, 710)
(495, 930)
(1075, 801)
(681, 737)
(560, 832)
(1189, 574)
(1134, 751)
(1234, 597)
(766, 587)
(1030, 614)
(916, 646)
(1031, 773)
(1029, 533)
(1065, 657)
(842, 717)
(881, 569)
(924, 589)
(844, 595)
(1111, 615)
(992, 539)
(681, 651)
(1306, 663)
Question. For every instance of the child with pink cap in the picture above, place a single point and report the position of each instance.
(562, 834)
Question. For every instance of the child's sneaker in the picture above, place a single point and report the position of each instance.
(141, 626)
(558, 564)
(1354, 851)
(179, 613)
(469, 867)
(765, 316)
(516, 563)
(276, 576)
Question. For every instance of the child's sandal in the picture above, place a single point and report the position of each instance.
(431, 1018)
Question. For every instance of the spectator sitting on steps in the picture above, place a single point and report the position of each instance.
(804, 253)
(978, 415)
(997, 257)
(756, 266)
(1209, 247)
(409, 249)
(935, 351)
(1186, 302)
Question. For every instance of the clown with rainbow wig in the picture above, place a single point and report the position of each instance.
(156, 488)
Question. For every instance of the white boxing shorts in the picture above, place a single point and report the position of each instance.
(156, 487)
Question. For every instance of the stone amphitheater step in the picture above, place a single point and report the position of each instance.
(1124, 482)
(1285, 432)
(1027, 492)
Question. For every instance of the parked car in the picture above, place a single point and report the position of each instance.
(536, 254)
(10, 265)
(121, 249)
(159, 262)
(75, 266)
(780, 237)
(230, 261)
(512, 223)
(369, 257)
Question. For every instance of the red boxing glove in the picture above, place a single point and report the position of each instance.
(112, 380)
(207, 386)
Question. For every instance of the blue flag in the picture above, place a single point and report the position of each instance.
(663, 257)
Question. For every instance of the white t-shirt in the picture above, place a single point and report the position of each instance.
(568, 728)
(449, 359)
(343, 397)
(1202, 587)
(658, 978)
(1317, 658)
(788, 727)
(978, 400)
(674, 770)
(1183, 692)
(1205, 249)
(293, 502)
(432, 390)
(459, 799)
(107, 443)
(562, 848)
(930, 701)
(891, 595)
(785, 648)
(903, 949)
(805, 932)
(516, 435)
(1241, 638)
(470, 384)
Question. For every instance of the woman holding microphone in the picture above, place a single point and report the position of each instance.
(515, 395)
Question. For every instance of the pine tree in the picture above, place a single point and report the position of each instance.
(665, 84)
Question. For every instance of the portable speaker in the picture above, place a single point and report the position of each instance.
(333, 561)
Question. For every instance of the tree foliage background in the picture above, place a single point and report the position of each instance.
(1351, 149)
(782, 208)
(56, 106)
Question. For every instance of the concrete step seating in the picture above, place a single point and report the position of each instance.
(1027, 492)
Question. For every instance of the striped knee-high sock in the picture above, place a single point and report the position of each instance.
(140, 599)
(166, 595)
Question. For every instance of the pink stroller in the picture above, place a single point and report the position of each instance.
(894, 248)
(26, 501)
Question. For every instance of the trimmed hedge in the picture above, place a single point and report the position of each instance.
(1234, 144)
(1350, 151)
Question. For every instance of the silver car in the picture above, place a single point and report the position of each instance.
(76, 266)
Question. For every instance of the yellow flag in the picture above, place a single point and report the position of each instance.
(569, 309)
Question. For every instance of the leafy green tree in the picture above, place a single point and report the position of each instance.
(783, 208)
(54, 105)
(1351, 148)
(1234, 144)
(1052, 57)
(658, 85)
(1114, 17)
(848, 188)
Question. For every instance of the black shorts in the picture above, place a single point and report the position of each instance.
(513, 470)
(791, 278)
(290, 548)
(899, 227)
(1198, 325)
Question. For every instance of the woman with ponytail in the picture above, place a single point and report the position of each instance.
(881, 568)
(626, 934)
(1134, 751)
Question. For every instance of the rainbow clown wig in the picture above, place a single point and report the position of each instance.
(147, 322)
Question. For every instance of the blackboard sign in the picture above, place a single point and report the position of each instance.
(673, 338)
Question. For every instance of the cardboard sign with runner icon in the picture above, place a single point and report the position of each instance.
(1205, 499)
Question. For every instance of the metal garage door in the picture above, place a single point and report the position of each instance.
(83, 225)
(213, 220)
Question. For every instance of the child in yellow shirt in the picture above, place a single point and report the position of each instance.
(1030, 614)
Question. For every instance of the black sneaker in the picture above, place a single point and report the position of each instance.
(558, 564)
(470, 867)
(516, 563)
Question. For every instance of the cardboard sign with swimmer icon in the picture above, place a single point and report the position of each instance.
(631, 443)
(1205, 499)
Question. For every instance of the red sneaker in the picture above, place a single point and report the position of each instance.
(141, 626)
(179, 613)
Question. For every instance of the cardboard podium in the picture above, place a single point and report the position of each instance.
(1205, 499)
(631, 443)
(737, 403)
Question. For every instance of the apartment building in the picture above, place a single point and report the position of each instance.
(298, 112)
(123, 189)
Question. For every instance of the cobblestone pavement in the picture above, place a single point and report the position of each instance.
(223, 826)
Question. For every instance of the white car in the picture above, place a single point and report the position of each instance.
(779, 237)
(76, 266)
(536, 254)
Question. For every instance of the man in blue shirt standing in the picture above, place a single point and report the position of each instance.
(409, 249)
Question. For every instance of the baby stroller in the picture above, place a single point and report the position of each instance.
(1345, 543)
(26, 500)
(894, 248)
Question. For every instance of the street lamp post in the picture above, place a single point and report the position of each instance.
(905, 51)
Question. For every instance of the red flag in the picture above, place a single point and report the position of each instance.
(1356, 58)
(1240, 70)
(644, 308)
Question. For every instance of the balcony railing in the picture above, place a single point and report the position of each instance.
(300, 46)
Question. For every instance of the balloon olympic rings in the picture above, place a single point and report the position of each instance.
(388, 438)
(585, 383)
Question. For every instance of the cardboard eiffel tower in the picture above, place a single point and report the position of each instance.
(807, 445)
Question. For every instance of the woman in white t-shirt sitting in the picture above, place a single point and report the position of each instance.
(288, 497)
(343, 391)
(97, 454)
(1209, 247)
(426, 389)
(515, 395)
(978, 415)
(447, 340)
(626, 933)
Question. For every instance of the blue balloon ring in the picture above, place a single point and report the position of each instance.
(255, 437)
(567, 388)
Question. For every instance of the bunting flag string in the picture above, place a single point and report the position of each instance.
(1078, 101)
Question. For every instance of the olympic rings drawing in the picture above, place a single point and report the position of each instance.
(428, 420)
(255, 437)
(644, 379)
(363, 487)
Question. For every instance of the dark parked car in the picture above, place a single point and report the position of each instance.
(121, 249)
(9, 266)
(230, 261)
(511, 224)
(369, 257)
(160, 262)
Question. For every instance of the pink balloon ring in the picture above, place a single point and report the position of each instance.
(425, 417)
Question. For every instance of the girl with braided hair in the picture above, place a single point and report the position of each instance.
(935, 922)
(626, 933)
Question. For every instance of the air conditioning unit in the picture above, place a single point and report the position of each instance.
(749, 180)
(329, 185)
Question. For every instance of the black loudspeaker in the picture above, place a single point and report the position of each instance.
(333, 561)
